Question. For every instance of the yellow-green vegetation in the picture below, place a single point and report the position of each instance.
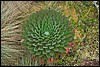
(84, 16)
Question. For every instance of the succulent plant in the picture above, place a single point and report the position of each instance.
(47, 33)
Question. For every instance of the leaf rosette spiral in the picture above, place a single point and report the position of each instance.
(47, 33)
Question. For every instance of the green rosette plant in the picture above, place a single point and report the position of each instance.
(47, 33)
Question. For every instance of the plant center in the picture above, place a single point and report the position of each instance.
(46, 33)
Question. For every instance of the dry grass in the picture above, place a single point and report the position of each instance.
(9, 54)
(13, 14)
